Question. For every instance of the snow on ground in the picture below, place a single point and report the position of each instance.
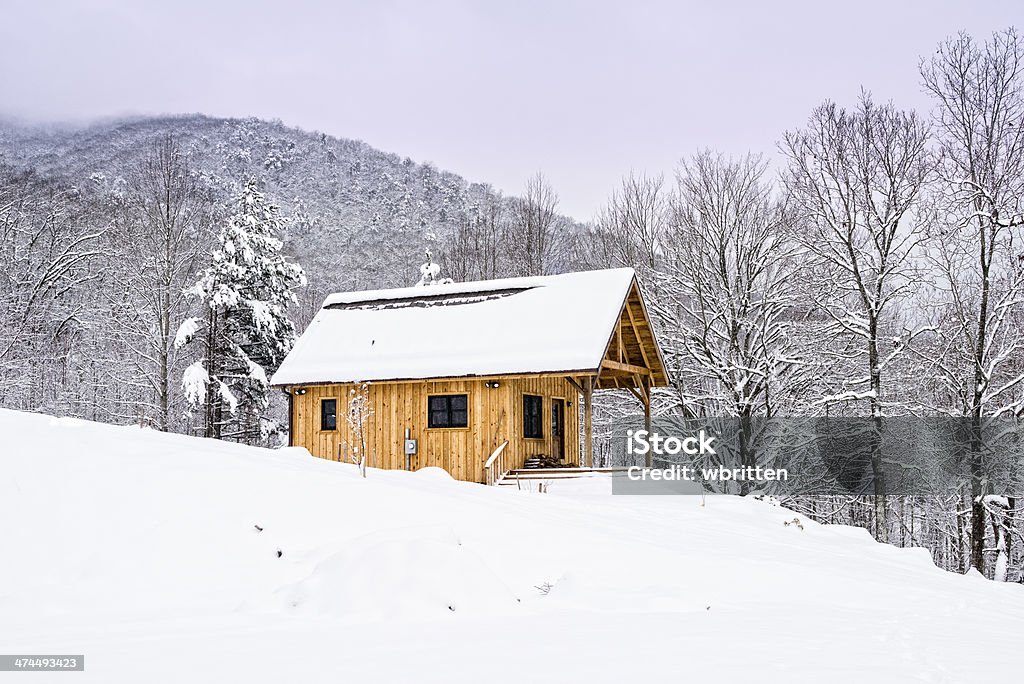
(141, 551)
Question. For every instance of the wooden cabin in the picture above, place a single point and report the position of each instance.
(471, 377)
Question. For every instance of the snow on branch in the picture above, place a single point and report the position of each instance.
(193, 383)
(186, 331)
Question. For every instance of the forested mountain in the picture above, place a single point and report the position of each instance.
(359, 217)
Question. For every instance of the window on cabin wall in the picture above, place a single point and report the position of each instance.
(533, 416)
(328, 414)
(448, 411)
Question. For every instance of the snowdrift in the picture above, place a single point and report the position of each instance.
(165, 558)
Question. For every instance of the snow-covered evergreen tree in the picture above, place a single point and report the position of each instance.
(247, 289)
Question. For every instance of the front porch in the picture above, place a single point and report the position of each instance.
(632, 362)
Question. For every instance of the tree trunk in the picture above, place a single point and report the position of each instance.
(980, 381)
(877, 464)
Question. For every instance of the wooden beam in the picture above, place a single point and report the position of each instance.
(647, 422)
(636, 333)
(588, 421)
(660, 370)
(642, 387)
(612, 334)
(578, 386)
(636, 393)
(625, 367)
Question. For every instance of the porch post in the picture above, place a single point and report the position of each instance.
(588, 421)
(646, 391)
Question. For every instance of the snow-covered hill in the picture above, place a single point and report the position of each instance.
(165, 558)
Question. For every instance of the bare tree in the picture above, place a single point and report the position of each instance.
(978, 90)
(631, 229)
(161, 230)
(628, 232)
(44, 247)
(534, 230)
(855, 177)
(48, 243)
(474, 250)
(725, 291)
(360, 410)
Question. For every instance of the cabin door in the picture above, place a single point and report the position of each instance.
(558, 429)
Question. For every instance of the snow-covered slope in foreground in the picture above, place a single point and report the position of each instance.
(141, 551)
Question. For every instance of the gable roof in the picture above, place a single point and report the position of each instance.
(550, 324)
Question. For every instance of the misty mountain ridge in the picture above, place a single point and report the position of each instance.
(360, 217)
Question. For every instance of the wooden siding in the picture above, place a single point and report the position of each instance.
(495, 414)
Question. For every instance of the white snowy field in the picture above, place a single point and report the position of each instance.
(141, 551)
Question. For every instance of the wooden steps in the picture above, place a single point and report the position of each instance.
(534, 474)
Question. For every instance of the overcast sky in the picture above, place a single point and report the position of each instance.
(583, 91)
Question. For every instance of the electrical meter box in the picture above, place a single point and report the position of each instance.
(410, 447)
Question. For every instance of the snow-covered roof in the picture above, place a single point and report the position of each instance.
(549, 324)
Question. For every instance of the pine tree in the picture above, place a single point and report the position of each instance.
(245, 333)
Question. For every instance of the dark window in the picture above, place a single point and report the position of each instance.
(533, 412)
(447, 411)
(328, 414)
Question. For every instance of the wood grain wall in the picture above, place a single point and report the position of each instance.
(495, 414)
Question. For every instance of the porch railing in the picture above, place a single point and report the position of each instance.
(495, 468)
